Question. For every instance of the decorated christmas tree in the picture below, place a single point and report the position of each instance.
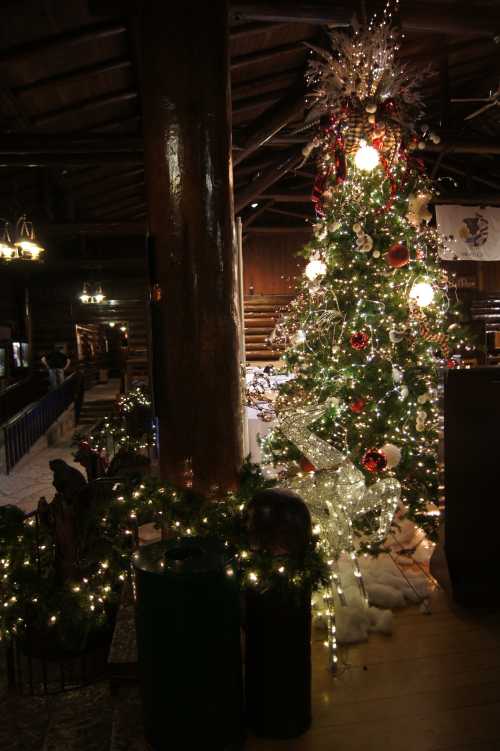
(373, 326)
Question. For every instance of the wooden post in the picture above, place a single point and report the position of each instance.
(187, 132)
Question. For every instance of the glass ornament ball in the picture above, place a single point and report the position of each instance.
(357, 406)
(374, 460)
(398, 256)
(422, 293)
(360, 340)
(366, 157)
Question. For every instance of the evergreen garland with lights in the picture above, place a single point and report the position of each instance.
(33, 601)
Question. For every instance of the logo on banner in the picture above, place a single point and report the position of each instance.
(474, 230)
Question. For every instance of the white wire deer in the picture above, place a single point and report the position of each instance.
(336, 494)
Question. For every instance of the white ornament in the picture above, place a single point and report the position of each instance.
(420, 427)
(376, 253)
(418, 208)
(356, 228)
(404, 392)
(397, 374)
(396, 336)
(298, 338)
(423, 398)
(333, 226)
(421, 415)
(422, 293)
(315, 268)
(366, 157)
(392, 453)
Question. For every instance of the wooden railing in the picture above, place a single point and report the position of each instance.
(19, 395)
(23, 431)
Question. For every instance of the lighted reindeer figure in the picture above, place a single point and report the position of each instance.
(336, 494)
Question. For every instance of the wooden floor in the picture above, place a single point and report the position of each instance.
(433, 686)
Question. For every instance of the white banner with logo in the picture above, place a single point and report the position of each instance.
(472, 233)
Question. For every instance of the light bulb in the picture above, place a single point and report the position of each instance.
(422, 293)
(366, 157)
(99, 297)
(314, 269)
(7, 251)
(111, 324)
(84, 297)
(29, 249)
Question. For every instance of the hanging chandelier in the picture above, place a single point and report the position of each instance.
(92, 293)
(24, 247)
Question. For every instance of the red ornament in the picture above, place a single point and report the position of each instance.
(306, 465)
(357, 406)
(398, 255)
(360, 340)
(451, 363)
(374, 460)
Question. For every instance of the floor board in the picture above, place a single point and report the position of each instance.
(432, 686)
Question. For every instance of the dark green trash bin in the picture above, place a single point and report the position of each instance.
(188, 641)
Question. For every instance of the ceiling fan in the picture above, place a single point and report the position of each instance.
(493, 100)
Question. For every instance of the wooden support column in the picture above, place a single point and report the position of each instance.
(187, 131)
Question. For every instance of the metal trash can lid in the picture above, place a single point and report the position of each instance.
(191, 555)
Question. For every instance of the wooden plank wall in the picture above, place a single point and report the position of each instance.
(270, 263)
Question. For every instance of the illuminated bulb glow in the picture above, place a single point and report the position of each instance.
(314, 269)
(366, 157)
(422, 294)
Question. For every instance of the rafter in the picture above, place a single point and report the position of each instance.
(86, 105)
(257, 58)
(270, 176)
(74, 76)
(271, 122)
(40, 47)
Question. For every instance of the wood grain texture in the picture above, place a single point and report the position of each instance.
(433, 686)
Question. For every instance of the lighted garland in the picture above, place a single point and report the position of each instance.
(114, 431)
(30, 597)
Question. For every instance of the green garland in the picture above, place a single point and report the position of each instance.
(30, 596)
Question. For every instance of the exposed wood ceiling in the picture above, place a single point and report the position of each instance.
(70, 114)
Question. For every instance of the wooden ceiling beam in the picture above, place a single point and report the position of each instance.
(34, 143)
(67, 159)
(109, 197)
(279, 230)
(271, 122)
(133, 202)
(86, 105)
(287, 197)
(294, 214)
(113, 123)
(292, 12)
(247, 30)
(250, 219)
(253, 103)
(264, 84)
(40, 47)
(438, 21)
(265, 56)
(98, 184)
(74, 76)
(121, 228)
(271, 175)
(466, 199)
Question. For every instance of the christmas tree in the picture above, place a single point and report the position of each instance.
(372, 325)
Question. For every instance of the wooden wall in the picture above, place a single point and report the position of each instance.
(270, 263)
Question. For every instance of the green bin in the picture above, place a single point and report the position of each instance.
(188, 642)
